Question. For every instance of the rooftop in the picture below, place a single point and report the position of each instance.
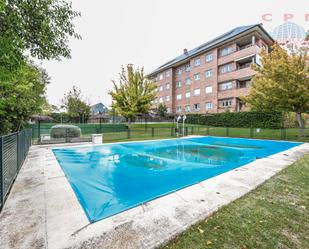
(230, 34)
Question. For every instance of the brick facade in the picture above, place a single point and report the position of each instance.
(226, 74)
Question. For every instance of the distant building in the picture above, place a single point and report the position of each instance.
(288, 31)
(212, 77)
(99, 108)
(99, 112)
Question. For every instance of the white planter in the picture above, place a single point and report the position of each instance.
(97, 138)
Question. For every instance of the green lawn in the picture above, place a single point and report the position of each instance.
(275, 215)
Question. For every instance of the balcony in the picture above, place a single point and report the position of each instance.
(242, 73)
(240, 53)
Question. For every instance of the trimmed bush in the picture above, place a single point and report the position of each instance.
(65, 131)
(272, 120)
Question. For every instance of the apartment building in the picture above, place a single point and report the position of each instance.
(212, 77)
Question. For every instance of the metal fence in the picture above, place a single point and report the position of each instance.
(140, 133)
(125, 132)
(13, 151)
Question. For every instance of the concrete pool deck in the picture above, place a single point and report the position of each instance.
(42, 210)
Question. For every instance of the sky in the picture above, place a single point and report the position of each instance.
(148, 33)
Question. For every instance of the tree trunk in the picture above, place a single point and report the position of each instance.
(301, 124)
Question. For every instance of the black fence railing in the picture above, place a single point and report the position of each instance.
(13, 151)
(123, 132)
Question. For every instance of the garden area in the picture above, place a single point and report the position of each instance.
(250, 222)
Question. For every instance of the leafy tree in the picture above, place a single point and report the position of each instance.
(282, 83)
(36, 28)
(133, 93)
(77, 108)
(21, 95)
(41, 27)
(161, 110)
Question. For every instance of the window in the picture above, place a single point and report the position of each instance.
(196, 107)
(244, 84)
(197, 92)
(188, 67)
(179, 71)
(209, 57)
(187, 108)
(168, 110)
(161, 100)
(188, 81)
(178, 84)
(167, 86)
(226, 102)
(167, 74)
(225, 86)
(160, 88)
(178, 97)
(197, 62)
(161, 76)
(208, 105)
(226, 68)
(208, 89)
(157, 89)
(208, 73)
(167, 98)
(178, 109)
(226, 51)
(188, 94)
(197, 76)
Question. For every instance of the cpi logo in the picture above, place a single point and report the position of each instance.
(268, 17)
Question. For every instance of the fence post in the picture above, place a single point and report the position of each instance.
(128, 133)
(100, 125)
(251, 132)
(39, 131)
(152, 131)
(172, 131)
(17, 151)
(186, 131)
(227, 131)
(283, 133)
(1, 173)
(192, 129)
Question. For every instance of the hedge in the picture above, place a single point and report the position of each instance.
(64, 131)
(273, 120)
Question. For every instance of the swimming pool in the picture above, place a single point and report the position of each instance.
(108, 179)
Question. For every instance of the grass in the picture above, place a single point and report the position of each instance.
(275, 215)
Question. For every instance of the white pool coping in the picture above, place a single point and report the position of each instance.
(62, 223)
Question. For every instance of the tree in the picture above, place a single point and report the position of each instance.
(161, 110)
(282, 83)
(22, 93)
(77, 108)
(41, 27)
(133, 93)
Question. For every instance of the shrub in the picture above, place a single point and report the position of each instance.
(272, 120)
(64, 131)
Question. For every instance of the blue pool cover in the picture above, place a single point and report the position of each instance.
(108, 179)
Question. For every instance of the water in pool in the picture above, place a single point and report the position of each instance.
(108, 179)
